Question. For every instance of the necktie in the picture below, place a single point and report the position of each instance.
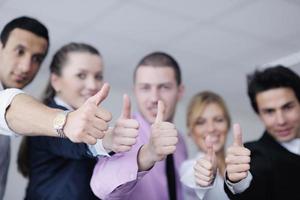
(171, 177)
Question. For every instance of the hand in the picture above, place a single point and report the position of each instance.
(237, 158)
(206, 167)
(89, 122)
(162, 142)
(124, 135)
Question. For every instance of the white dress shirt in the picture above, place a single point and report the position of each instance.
(6, 97)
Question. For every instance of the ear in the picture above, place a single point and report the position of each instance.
(1, 46)
(55, 82)
(181, 90)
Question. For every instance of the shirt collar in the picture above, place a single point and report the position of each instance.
(292, 146)
(61, 102)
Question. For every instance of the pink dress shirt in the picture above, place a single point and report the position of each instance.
(117, 177)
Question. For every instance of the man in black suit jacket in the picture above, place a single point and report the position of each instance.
(274, 170)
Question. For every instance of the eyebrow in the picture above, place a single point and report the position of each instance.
(282, 106)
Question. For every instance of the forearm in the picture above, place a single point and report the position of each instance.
(27, 116)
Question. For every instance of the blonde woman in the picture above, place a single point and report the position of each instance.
(208, 123)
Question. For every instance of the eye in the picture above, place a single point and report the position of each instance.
(81, 76)
(37, 59)
(268, 111)
(200, 122)
(220, 119)
(144, 87)
(288, 107)
(20, 51)
(99, 77)
(165, 87)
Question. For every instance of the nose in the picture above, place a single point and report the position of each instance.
(210, 127)
(25, 64)
(155, 95)
(280, 118)
(92, 84)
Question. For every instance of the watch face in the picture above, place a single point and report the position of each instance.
(59, 121)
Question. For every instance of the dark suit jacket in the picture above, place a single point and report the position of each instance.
(275, 170)
(59, 169)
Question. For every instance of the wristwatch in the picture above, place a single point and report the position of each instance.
(59, 123)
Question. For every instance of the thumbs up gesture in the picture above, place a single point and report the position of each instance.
(237, 158)
(124, 135)
(89, 122)
(162, 141)
(206, 167)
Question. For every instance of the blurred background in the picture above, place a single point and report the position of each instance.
(216, 42)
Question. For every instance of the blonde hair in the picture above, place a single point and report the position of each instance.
(198, 104)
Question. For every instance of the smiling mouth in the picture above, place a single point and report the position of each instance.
(284, 133)
(19, 78)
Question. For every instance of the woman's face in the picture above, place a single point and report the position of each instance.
(211, 122)
(81, 77)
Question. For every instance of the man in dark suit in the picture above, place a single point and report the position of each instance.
(273, 172)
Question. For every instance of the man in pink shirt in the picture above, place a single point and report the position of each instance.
(149, 170)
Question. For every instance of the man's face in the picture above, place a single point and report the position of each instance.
(21, 57)
(153, 84)
(279, 110)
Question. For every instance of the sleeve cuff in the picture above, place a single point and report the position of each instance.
(98, 149)
(240, 186)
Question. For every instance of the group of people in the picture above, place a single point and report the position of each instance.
(76, 153)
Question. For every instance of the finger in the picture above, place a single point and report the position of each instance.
(205, 168)
(126, 132)
(236, 177)
(238, 168)
(201, 182)
(160, 112)
(164, 126)
(96, 133)
(128, 123)
(231, 159)
(100, 95)
(126, 141)
(237, 134)
(202, 163)
(238, 151)
(167, 141)
(122, 148)
(126, 107)
(89, 140)
(209, 148)
(166, 133)
(203, 177)
(103, 114)
(100, 124)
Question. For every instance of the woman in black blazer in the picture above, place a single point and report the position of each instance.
(56, 167)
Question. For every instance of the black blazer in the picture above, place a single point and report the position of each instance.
(275, 170)
(59, 169)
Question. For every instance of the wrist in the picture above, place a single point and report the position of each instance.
(107, 141)
(59, 123)
(145, 158)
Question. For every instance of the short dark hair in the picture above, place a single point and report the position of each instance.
(160, 59)
(26, 23)
(272, 78)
